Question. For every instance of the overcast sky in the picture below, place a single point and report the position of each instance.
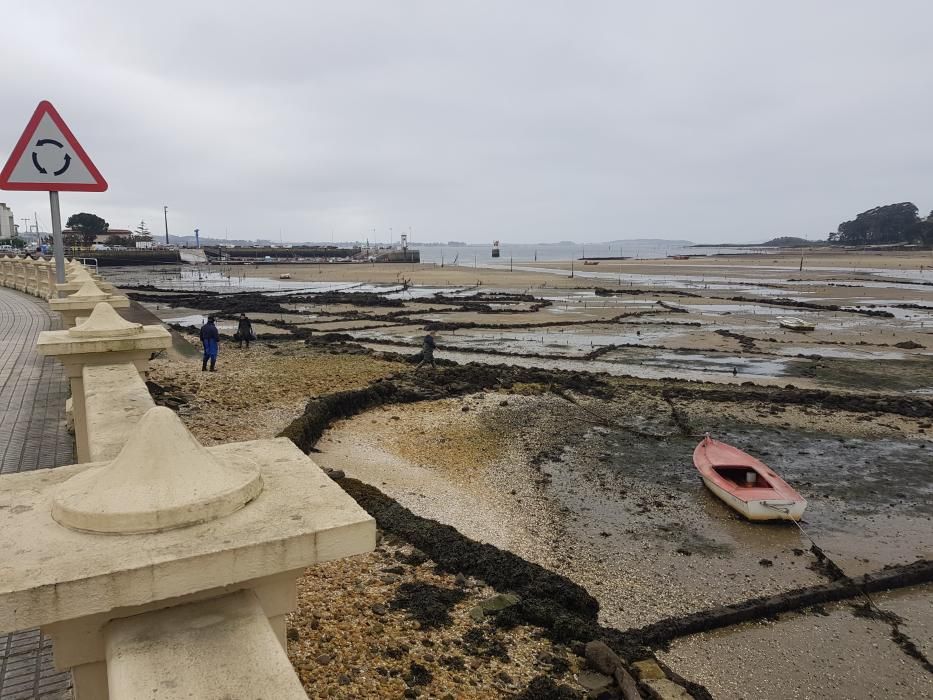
(523, 121)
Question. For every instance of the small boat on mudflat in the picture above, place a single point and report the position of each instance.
(795, 324)
(745, 483)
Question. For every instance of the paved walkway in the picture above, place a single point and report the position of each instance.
(33, 390)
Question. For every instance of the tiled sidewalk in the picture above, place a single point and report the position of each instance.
(33, 390)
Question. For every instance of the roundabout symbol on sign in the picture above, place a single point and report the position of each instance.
(35, 157)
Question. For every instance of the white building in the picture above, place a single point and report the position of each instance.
(7, 227)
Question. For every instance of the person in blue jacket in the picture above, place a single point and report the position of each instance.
(210, 339)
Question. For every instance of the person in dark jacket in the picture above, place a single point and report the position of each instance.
(245, 331)
(210, 339)
(428, 346)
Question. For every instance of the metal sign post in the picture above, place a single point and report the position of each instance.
(49, 158)
(58, 246)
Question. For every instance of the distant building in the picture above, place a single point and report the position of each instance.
(7, 227)
(121, 232)
(104, 237)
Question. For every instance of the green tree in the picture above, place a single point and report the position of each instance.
(922, 231)
(142, 233)
(117, 240)
(88, 226)
(892, 223)
(15, 241)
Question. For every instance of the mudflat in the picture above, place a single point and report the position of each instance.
(558, 429)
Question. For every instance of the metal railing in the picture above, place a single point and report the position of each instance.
(85, 261)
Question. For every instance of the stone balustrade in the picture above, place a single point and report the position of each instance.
(160, 567)
(76, 275)
(20, 271)
(82, 302)
(103, 339)
(35, 276)
(139, 647)
(44, 278)
(115, 400)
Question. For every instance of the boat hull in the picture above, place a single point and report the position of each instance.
(796, 324)
(760, 508)
(746, 484)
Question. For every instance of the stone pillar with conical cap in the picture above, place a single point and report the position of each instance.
(103, 339)
(75, 276)
(162, 479)
(121, 555)
(83, 301)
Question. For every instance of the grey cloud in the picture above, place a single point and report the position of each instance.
(524, 121)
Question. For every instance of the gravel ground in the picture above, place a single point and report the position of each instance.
(255, 393)
(356, 634)
(829, 653)
(353, 634)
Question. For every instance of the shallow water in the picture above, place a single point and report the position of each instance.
(616, 363)
(840, 353)
(745, 365)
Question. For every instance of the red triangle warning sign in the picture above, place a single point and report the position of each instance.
(48, 157)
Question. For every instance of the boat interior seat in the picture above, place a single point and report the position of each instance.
(742, 476)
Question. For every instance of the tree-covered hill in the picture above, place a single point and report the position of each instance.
(789, 242)
(888, 224)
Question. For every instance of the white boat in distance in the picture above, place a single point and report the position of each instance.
(795, 324)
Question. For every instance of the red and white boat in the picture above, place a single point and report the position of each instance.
(746, 484)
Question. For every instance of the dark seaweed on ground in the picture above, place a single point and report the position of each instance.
(430, 605)
(456, 380)
(544, 688)
(796, 304)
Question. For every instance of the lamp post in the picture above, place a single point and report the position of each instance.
(165, 211)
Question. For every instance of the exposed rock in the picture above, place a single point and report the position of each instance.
(647, 670)
(593, 680)
(600, 657)
(663, 689)
(493, 604)
(498, 602)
